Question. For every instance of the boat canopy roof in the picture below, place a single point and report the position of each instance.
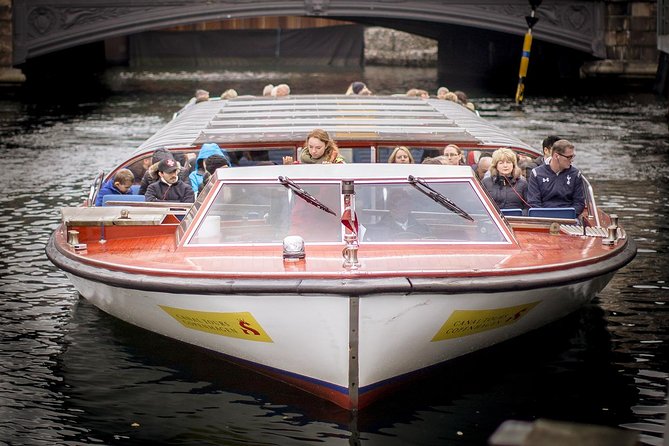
(350, 120)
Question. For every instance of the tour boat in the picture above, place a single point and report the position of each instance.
(294, 270)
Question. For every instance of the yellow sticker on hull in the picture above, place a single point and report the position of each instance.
(240, 325)
(467, 322)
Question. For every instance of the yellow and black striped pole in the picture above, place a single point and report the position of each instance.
(527, 45)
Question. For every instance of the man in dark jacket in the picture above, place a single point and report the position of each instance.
(557, 184)
(169, 187)
(151, 173)
(547, 145)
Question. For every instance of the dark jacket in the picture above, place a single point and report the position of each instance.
(108, 189)
(507, 191)
(151, 174)
(547, 189)
(536, 162)
(178, 192)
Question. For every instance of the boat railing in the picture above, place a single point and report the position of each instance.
(590, 202)
(95, 189)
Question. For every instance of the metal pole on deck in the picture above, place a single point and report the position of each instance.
(527, 44)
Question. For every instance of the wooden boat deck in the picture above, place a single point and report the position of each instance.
(148, 251)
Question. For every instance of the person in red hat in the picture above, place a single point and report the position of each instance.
(169, 187)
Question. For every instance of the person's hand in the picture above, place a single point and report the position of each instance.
(288, 160)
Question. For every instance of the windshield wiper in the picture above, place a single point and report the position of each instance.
(303, 194)
(425, 188)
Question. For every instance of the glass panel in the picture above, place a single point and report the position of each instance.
(399, 212)
(266, 213)
(418, 153)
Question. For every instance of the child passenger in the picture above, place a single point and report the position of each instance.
(119, 185)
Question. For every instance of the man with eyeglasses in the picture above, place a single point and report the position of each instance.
(557, 184)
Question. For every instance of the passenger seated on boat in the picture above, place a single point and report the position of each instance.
(453, 155)
(482, 166)
(557, 184)
(186, 163)
(119, 185)
(281, 90)
(547, 145)
(319, 148)
(401, 155)
(196, 176)
(169, 187)
(506, 184)
(200, 96)
(210, 165)
(399, 223)
(151, 174)
(139, 167)
(436, 160)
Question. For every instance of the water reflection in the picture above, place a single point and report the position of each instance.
(73, 375)
(113, 375)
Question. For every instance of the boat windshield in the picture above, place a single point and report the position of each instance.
(265, 213)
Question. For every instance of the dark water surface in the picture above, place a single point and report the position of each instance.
(71, 375)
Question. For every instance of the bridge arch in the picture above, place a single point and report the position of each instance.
(41, 28)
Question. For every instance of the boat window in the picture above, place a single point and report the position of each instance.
(418, 153)
(387, 213)
(266, 213)
(397, 212)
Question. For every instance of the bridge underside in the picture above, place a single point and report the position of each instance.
(41, 28)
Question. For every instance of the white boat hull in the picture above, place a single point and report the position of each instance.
(343, 348)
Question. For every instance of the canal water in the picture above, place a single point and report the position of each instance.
(72, 375)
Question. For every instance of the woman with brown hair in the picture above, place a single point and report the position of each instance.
(453, 155)
(319, 148)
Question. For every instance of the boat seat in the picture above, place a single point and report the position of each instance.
(552, 212)
(115, 197)
(512, 212)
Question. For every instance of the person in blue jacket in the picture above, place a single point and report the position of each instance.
(197, 175)
(557, 184)
(119, 185)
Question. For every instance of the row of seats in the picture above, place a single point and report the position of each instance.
(542, 212)
(132, 196)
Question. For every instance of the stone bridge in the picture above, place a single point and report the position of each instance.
(40, 27)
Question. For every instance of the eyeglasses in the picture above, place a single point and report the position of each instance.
(451, 155)
(570, 157)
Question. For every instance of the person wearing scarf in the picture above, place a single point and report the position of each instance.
(319, 148)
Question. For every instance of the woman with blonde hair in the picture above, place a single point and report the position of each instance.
(506, 184)
(401, 155)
